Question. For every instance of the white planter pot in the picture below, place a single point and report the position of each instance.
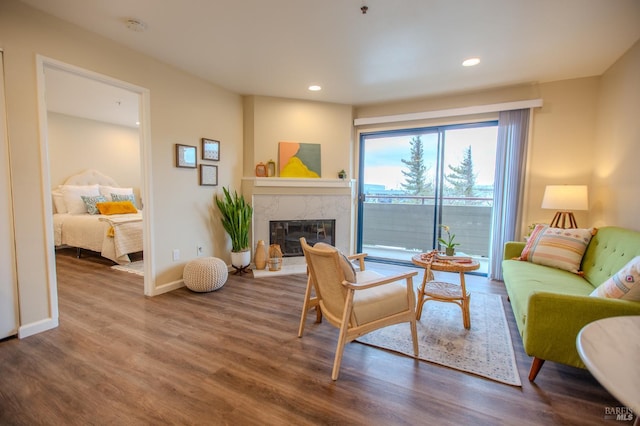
(241, 258)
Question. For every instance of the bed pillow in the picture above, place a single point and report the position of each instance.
(557, 247)
(90, 202)
(624, 284)
(106, 191)
(58, 201)
(347, 266)
(116, 207)
(72, 195)
(124, 197)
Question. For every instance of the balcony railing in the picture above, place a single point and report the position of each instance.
(405, 224)
(427, 200)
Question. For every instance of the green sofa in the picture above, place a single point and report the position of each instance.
(551, 305)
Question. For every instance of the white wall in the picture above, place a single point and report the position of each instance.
(8, 281)
(587, 132)
(77, 144)
(183, 110)
(615, 189)
(562, 143)
(269, 121)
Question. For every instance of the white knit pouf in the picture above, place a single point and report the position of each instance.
(205, 274)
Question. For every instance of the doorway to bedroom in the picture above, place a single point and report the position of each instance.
(95, 147)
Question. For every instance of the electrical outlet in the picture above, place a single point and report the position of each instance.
(199, 250)
(176, 254)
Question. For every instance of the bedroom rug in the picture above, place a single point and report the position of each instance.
(133, 267)
(485, 350)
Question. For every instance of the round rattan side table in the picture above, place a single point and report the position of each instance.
(444, 291)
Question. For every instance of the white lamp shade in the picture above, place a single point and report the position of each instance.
(565, 197)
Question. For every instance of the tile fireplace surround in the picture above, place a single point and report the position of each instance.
(299, 199)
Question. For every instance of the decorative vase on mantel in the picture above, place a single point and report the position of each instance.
(260, 258)
(450, 251)
(261, 170)
(271, 168)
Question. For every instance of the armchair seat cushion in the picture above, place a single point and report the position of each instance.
(378, 302)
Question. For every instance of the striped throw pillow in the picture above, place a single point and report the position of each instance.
(557, 247)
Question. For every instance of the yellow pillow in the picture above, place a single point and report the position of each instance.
(116, 207)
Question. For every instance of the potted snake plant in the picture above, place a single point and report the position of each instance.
(236, 218)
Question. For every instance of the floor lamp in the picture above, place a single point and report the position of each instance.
(564, 199)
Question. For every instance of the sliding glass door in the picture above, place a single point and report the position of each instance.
(415, 180)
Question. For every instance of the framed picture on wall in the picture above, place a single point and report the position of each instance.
(208, 175)
(210, 149)
(185, 156)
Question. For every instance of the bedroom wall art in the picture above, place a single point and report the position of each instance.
(210, 149)
(299, 160)
(208, 175)
(185, 156)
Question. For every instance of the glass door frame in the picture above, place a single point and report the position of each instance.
(439, 187)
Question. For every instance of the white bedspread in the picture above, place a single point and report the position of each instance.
(126, 234)
(90, 232)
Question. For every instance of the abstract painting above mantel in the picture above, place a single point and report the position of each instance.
(299, 160)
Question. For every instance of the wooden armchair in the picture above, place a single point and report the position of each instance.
(311, 301)
(355, 302)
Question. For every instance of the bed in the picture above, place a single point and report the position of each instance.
(77, 221)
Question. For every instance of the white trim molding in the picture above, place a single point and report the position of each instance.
(144, 111)
(165, 288)
(300, 182)
(452, 112)
(37, 327)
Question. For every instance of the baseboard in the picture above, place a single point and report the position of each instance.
(37, 327)
(165, 288)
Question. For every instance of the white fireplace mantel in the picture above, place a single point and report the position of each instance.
(295, 199)
(299, 183)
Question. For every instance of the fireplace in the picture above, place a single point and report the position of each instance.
(287, 233)
(297, 200)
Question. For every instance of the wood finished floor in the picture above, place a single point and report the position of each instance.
(233, 357)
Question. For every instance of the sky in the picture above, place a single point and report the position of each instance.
(383, 165)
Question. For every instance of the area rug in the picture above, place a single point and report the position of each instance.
(485, 350)
(133, 267)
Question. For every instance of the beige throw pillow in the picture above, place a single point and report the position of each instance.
(624, 284)
(557, 247)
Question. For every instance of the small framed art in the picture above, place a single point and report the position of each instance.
(208, 175)
(185, 156)
(210, 149)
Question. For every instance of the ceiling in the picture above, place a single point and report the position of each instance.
(78, 96)
(398, 50)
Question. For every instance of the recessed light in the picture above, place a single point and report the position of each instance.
(315, 88)
(470, 62)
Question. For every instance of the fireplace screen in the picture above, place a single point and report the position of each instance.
(287, 234)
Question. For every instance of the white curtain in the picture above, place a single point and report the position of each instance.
(513, 129)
